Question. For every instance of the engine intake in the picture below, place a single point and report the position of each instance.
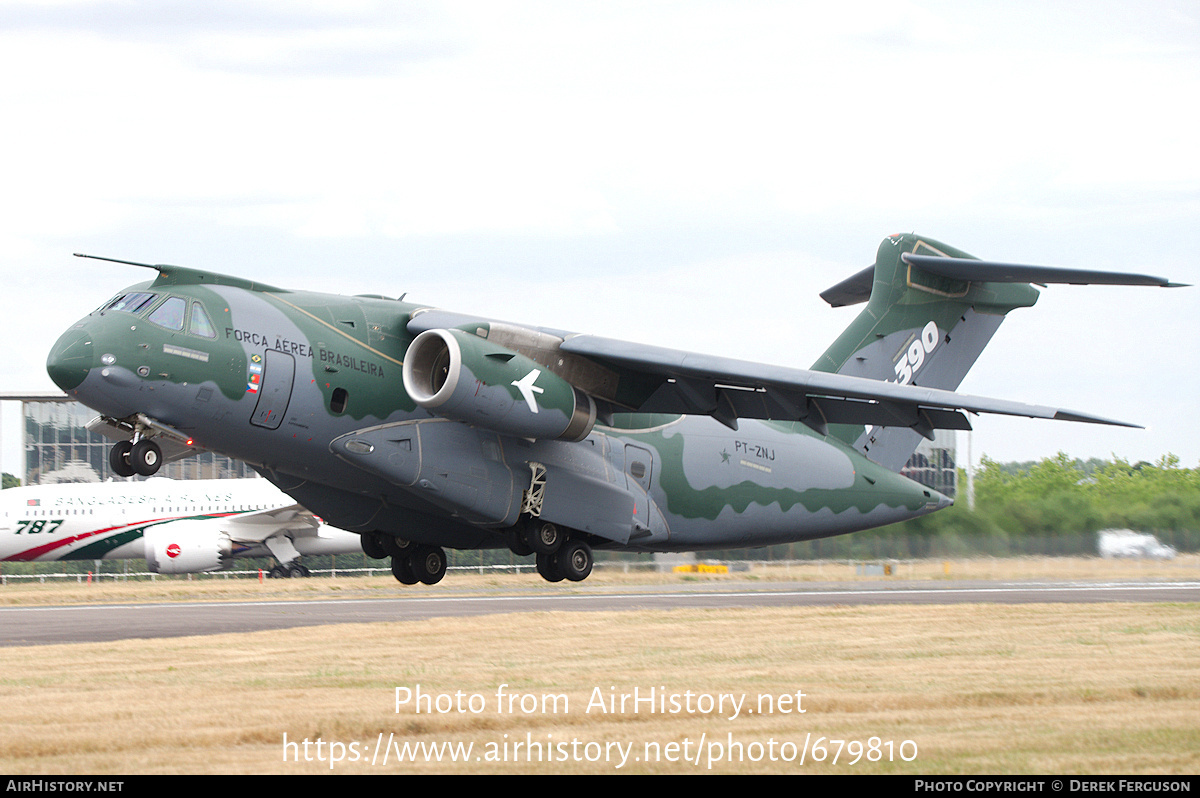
(461, 376)
(186, 547)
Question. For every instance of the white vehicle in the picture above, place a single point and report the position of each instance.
(1127, 543)
(178, 527)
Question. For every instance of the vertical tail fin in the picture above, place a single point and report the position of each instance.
(931, 309)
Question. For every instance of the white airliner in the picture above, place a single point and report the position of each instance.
(178, 527)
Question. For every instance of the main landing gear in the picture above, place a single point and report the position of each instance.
(558, 556)
(291, 570)
(411, 562)
(127, 458)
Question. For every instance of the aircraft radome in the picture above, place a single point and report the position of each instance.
(177, 527)
(420, 428)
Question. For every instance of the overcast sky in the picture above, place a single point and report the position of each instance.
(688, 174)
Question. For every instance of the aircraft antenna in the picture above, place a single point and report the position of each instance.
(116, 260)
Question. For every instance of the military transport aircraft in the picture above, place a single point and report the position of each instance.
(421, 428)
(177, 527)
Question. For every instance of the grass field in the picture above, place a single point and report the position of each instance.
(1107, 688)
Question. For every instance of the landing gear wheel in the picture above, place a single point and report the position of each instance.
(278, 572)
(518, 542)
(403, 571)
(145, 457)
(295, 569)
(574, 560)
(429, 564)
(545, 537)
(394, 546)
(118, 459)
(548, 568)
(372, 546)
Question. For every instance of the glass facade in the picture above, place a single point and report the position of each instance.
(934, 464)
(59, 448)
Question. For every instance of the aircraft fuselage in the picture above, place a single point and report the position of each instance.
(308, 388)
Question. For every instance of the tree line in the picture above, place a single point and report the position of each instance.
(1052, 506)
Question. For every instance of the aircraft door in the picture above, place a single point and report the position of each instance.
(275, 388)
(648, 522)
(639, 464)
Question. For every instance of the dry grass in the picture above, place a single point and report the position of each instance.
(1110, 688)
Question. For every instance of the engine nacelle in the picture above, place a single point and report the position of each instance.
(464, 377)
(186, 547)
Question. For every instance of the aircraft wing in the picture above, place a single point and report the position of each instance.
(257, 526)
(729, 389)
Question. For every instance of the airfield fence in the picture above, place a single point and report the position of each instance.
(861, 567)
(334, 573)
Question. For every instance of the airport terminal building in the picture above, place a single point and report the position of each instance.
(59, 448)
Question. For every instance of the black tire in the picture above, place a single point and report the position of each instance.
(278, 572)
(118, 459)
(372, 546)
(545, 537)
(518, 541)
(298, 570)
(548, 568)
(574, 560)
(402, 569)
(145, 457)
(429, 564)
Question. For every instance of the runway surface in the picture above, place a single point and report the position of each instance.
(45, 625)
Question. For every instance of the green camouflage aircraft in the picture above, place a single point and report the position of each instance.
(420, 428)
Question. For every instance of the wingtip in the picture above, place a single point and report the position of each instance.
(1067, 415)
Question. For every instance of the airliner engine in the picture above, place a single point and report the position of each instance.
(185, 547)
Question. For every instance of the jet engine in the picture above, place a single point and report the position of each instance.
(186, 547)
(463, 377)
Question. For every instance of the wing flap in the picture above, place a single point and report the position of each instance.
(728, 389)
(257, 526)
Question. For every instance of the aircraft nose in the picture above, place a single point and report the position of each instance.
(71, 358)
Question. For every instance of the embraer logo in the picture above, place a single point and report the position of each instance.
(527, 388)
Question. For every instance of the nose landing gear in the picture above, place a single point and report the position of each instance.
(127, 458)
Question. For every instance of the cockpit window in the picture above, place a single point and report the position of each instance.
(132, 303)
(170, 313)
(200, 323)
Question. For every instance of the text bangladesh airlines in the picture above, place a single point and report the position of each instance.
(177, 527)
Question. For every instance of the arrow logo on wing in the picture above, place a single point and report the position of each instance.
(527, 388)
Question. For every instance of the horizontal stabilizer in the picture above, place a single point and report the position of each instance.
(852, 290)
(970, 270)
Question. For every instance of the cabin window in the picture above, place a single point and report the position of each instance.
(337, 402)
(170, 314)
(132, 303)
(199, 324)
